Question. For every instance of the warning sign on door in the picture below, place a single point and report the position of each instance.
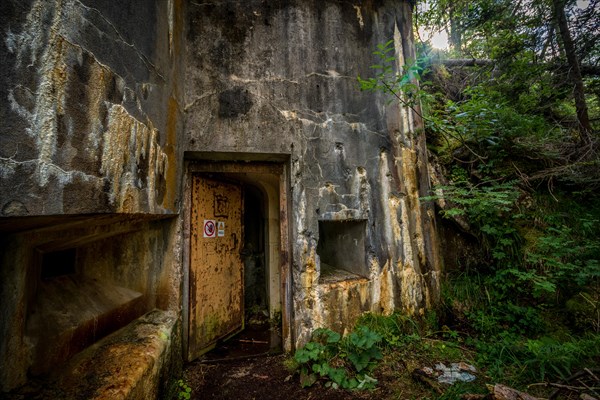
(210, 230)
(221, 231)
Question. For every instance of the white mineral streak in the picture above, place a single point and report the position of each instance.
(406, 118)
(18, 108)
(30, 45)
(363, 191)
(388, 232)
(359, 17)
(38, 45)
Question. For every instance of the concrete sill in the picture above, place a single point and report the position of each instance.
(330, 274)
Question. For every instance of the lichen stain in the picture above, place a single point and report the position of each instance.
(309, 276)
(409, 163)
(386, 282)
(359, 17)
(411, 286)
(127, 143)
(343, 302)
(97, 85)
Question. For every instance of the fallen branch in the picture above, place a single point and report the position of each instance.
(586, 69)
(253, 341)
(502, 392)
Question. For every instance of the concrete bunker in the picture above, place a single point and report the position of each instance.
(108, 127)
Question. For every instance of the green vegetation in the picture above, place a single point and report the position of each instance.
(342, 362)
(521, 169)
(514, 130)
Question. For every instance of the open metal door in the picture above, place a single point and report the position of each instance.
(216, 268)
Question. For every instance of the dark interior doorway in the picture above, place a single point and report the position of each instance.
(253, 253)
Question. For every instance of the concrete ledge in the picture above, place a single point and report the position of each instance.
(128, 364)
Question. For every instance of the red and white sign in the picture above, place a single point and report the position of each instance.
(210, 228)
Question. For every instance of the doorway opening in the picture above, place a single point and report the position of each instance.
(253, 253)
(259, 260)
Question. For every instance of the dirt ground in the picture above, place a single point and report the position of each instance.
(248, 366)
(258, 378)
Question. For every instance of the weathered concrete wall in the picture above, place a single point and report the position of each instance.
(90, 107)
(90, 158)
(280, 78)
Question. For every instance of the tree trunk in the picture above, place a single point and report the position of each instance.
(585, 127)
(455, 29)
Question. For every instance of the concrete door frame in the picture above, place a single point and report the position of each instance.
(273, 179)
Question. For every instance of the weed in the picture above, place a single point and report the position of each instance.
(342, 362)
(184, 391)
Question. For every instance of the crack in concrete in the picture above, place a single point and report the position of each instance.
(331, 74)
(197, 99)
(236, 78)
(139, 53)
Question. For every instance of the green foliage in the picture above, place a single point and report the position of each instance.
(183, 390)
(489, 210)
(403, 85)
(519, 181)
(342, 362)
(395, 330)
(568, 256)
(519, 360)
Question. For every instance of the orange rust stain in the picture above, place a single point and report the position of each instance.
(59, 73)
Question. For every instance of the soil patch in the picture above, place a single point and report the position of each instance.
(258, 378)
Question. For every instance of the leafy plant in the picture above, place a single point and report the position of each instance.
(341, 362)
(395, 330)
(401, 86)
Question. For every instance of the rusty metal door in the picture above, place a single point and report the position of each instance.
(216, 268)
